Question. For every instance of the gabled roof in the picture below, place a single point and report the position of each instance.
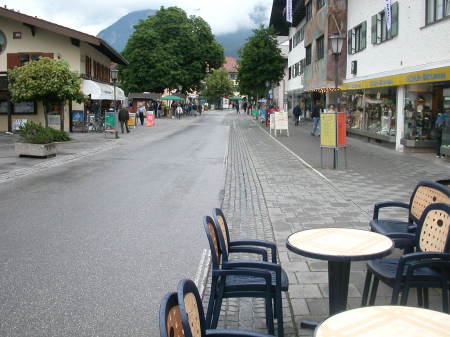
(34, 22)
(230, 64)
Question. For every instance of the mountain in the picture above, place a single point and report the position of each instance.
(117, 34)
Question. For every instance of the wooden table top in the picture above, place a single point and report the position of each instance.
(386, 321)
(339, 244)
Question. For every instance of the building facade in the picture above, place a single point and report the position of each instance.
(397, 78)
(25, 38)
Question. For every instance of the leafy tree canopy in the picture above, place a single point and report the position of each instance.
(218, 85)
(170, 49)
(48, 80)
(260, 62)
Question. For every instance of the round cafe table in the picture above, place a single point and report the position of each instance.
(339, 246)
(386, 321)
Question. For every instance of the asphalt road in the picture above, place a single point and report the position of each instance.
(89, 248)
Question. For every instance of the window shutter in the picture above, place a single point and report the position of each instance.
(394, 27)
(363, 35)
(349, 41)
(12, 61)
(374, 29)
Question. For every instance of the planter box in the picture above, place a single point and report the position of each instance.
(35, 150)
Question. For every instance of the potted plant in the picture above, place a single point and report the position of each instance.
(38, 141)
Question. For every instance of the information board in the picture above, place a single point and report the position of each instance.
(328, 129)
(110, 120)
(132, 120)
(281, 120)
(341, 129)
(150, 118)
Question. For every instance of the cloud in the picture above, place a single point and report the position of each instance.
(89, 16)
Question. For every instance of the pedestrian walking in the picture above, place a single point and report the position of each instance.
(438, 127)
(244, 106)
(178, 111)
(316, 118)
(296, 112)
(124, 115)
(237, 107)
(141, 113)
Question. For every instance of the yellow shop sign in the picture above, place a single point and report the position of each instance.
(423, 76)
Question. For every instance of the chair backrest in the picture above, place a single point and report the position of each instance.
(170, 324)
(434, 229)
(191, 309)
(213, 240)
(219, 218)
(425, 194)
(445, 182)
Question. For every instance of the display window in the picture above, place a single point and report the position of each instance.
(371, 110)
(419, 115)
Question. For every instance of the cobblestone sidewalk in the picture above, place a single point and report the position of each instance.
(270, 193)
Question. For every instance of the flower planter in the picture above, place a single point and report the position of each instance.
(35, 150)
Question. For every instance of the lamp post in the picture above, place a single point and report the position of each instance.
(336, 41)
(114, 74)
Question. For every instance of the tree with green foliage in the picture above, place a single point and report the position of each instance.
(217, 86)
(260, 62)
(48, 80)
(167, 50)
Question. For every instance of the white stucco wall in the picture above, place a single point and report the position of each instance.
(296, 54)
(415, 46)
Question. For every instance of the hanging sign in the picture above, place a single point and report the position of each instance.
(388, 11)
(289, 11)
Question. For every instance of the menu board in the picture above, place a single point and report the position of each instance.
(281, 120)
(328, 129)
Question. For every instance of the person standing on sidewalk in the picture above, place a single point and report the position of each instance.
(438, 127)
(237, 107)
(296, 113)
(141, 113)
(179, 111)
(316, 118)
(124, 115)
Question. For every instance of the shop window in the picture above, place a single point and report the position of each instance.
(298, 37)
(419, 116)
(2, 42)
(320, 4)
(308, 11)
(436, 10)
(380, 33)
(308, 54)
(356, 38)
(320, 47)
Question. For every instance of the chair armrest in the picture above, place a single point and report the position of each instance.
(258, 243)
(417, 257)
(259, 265)
(379, 205)
(234, 333)
(252, 250)
(246, 272)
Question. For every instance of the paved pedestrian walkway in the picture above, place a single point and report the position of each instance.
(276, 188)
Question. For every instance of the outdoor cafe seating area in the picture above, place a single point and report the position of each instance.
(403, 254)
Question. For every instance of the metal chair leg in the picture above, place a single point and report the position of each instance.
(367, 282)
(426, 299)
(269, 315)
(373, 293)
(420, 297)
(217, 307)
(209, 312)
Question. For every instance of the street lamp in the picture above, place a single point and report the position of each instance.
(114, 74)
(336, 41)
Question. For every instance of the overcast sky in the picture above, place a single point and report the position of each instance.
(91, 16)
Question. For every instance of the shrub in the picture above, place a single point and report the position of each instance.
(35, 133)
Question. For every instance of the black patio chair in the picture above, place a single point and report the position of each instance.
(246, 245)
(280, 281)
(233, 281)
(172, 323)
(445, 182)
(425, 193)
(428, 267)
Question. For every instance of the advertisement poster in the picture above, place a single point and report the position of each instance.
(341, 128)
(132, 120)
(328, 129)
(110, 120)
(17, 123)
(150, 120)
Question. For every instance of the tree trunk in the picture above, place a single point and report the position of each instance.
(61, 113)
(45, 104)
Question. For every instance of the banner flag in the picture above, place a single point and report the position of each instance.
(289, 11)
(388, 11)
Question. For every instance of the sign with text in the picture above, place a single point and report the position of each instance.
(281, 120)
(332, 129)
(150, 120)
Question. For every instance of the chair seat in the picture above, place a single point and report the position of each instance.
(386, 270)
(239, 283)
(389, 226)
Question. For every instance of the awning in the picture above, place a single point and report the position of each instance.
(101, 91)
